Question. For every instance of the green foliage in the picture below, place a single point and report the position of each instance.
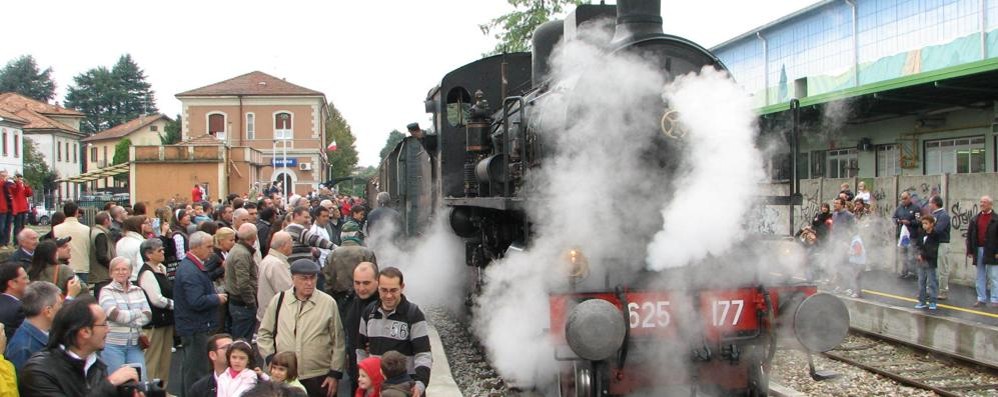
(36, 172)
(171, 133)
(111, 97)
(344, 159)
(515, 29)
(22, 76)
(139, 98)
(121, 151)
(393, 139)
(121, 156)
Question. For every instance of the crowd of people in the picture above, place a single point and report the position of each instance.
(835, 239)
(265, 296)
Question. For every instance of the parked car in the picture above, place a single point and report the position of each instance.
(39, 215)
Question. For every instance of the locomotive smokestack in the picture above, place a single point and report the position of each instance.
(637, 18)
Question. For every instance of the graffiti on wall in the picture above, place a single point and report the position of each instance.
(960, 215)
(809, 208)
(763, 219)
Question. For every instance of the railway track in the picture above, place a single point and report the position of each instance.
(918, 366)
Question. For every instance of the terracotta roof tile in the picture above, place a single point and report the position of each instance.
(11, 117)
(252, 84)
(38, 121)
(13, 99)
(125, 128)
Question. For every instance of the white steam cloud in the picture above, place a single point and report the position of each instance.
(719, 177)
(433, 264)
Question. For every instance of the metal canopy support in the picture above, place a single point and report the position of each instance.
(98, 174)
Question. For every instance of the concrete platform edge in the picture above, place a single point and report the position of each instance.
(441, 381)
(962, 338)
(778, 390)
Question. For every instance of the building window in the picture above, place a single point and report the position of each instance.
(93, 154)
(106, 160)
(842, 163)
(954, 156)
(76, 154)
(17, 145)
(58, 151)
(153, 128)
(67, 152)
(818, 163)
(888, 163)
(250, 126)
(803, 160)
(5, 142)
(282, 126)
(216, 125)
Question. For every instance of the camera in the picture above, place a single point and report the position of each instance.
(151, 388)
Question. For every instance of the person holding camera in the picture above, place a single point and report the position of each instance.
(69, 365)
(19, 203)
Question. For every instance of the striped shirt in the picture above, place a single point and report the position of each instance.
(127, 311)
(403, 330)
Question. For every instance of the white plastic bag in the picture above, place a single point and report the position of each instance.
(904, 238)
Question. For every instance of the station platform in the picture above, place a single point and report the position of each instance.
(886, 308)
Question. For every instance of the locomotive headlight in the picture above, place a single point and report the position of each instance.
(595, 329)
(576, 264)
(671, 125)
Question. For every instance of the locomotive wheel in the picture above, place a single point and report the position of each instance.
(758, 380)
(584, 380)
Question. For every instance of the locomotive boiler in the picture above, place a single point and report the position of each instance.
(615, 333)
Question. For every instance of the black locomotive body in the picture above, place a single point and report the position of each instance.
(488, 142)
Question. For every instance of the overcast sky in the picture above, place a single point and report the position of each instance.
(375, 60)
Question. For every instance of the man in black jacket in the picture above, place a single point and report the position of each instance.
(208, 385)
(365, 292)
(69, 365)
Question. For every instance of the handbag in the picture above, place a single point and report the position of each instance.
(144, 342)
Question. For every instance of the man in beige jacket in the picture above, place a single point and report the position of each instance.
(275, 271)
(80, 244)
(306, 321)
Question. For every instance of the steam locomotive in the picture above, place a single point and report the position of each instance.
(615, 334)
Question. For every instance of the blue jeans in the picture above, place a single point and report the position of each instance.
(928, 285)
(6, 221)
(114, 356)
(993, 282)
(243, 322)
(981, 283)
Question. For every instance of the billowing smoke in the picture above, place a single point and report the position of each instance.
(719, 177)
(433, 263)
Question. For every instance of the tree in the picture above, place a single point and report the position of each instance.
(139, 98)
(111, 97)
(171, 132)
(95, 95)
(36, 171)
(393, 139)
(344, 158)
(121, 156)
(515, 29)
(23, 77)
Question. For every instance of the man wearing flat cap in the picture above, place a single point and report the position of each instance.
(307, 321)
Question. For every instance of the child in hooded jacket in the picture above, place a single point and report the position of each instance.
(369, 378)
(398, 383)
(240, 377)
